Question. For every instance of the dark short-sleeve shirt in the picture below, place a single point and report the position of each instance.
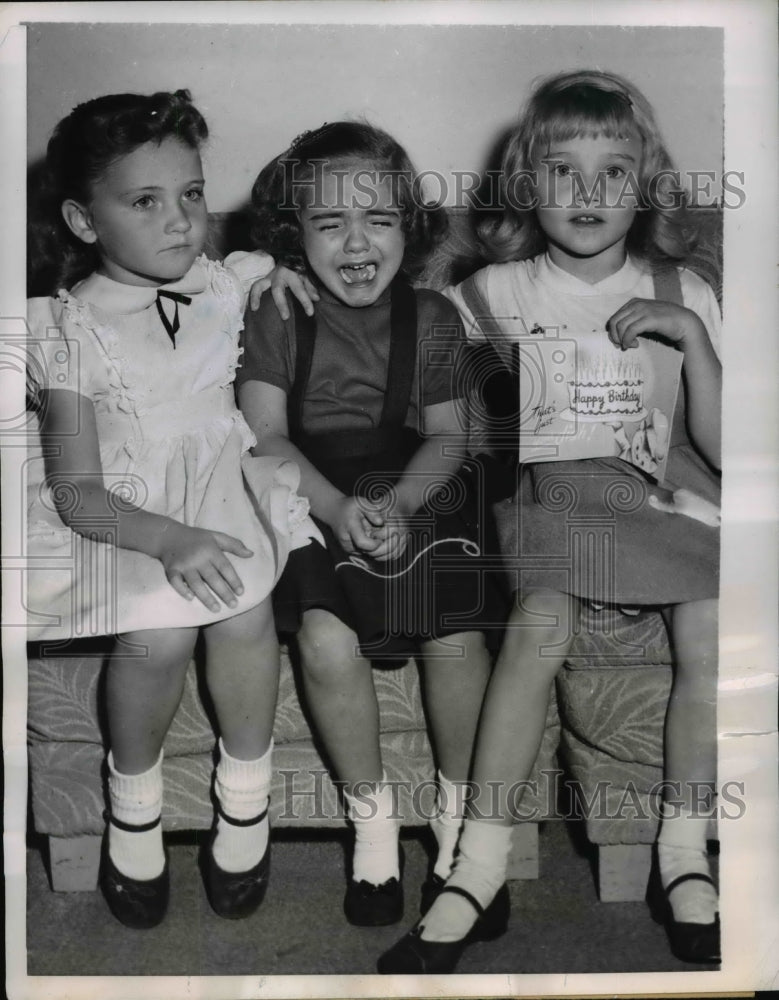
(349, 368)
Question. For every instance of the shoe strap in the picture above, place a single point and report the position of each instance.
(131, 827)
(689, 877)
(241, 822)
(466, 895)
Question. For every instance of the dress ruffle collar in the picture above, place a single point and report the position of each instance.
(623, 280)
(115, 297)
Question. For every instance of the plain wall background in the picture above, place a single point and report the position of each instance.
(446, 92)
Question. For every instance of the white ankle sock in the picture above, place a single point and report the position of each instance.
(447, 823)
(480, 869)
(375, 834)
(681, 849)
(242, 789)
(136, 799)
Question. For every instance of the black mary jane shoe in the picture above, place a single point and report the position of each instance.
(368, 905)
(235, 895)
(690, 942)
(137, 903)
(413, 956)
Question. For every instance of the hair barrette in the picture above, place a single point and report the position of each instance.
(308, 136)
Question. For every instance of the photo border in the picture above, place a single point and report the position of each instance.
(749, 873)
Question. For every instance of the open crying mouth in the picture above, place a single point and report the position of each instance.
(357, 273)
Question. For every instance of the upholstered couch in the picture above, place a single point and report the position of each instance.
(608, 731)
(67, 750)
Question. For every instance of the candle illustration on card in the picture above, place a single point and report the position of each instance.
(582, 397)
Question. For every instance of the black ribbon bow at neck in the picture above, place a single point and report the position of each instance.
(172, 328)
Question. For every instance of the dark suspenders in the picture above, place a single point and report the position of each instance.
(400, 367)
(668, 285)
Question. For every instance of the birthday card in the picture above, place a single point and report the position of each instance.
(582, 397)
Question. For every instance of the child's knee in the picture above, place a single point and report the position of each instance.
(546, 613)
(327, 646)
(252, 627)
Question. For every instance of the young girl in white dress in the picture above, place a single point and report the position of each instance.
(149, 519)
(589, 239)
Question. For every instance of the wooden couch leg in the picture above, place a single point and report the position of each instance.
(523, 859)
(623, 872)
(74, 863)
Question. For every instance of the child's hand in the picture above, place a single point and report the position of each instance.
(688, 504)
(355, 524)
(393, 538)
(279, 279)
(389, 526)
(196, 566)
(639, 316)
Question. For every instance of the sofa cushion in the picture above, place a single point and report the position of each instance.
(67, 740)
(64, 702)
(617, 800)
(67, 781)
(611, 640)
(620, 713)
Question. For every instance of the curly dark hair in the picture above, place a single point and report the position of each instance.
(82, 146)
(279, 192)
(589, 102)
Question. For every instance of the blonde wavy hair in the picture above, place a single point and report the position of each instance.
(589, 103)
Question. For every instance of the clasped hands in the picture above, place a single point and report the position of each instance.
(378, 527)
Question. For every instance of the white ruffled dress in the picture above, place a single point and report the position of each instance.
(171, 441)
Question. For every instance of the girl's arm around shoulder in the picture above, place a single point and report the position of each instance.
(250, 269)
(257, 272)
